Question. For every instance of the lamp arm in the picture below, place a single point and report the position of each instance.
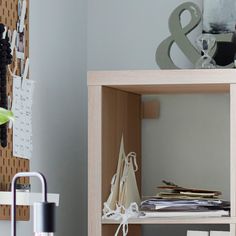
(13, 189)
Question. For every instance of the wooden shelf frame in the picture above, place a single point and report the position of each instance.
(114, 107)
(165, 81)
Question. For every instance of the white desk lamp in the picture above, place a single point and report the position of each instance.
(44, 212)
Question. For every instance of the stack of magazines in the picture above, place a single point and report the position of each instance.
(174, 201)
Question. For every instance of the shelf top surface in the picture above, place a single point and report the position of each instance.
(177, 220)
(165, 81)
(26, 198)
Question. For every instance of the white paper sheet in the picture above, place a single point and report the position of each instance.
(219, 233)
(22, 109)
(197, 233)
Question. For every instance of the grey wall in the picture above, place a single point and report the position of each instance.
(193, 131)
(58, 65)
(188, 144)
(125, 34)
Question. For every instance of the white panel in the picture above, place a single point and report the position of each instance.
(197, 233)
(26, 199)
(219, 233)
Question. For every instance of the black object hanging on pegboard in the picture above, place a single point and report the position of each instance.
(5, 60)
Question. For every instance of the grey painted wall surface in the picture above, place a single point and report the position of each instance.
(191, 129)
(125, 34)
(188, 144)
(58, 65)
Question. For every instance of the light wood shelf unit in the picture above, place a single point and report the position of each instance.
(114, 107)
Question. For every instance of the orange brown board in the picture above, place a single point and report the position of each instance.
(10, 165)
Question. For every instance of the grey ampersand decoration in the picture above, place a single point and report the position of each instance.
(179, 36)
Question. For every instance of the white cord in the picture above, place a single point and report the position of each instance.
(121, 213)
(132, 155)
(131, 212)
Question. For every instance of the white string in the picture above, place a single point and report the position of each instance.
(121, 213)
(131, 212)
(132, 155)
(128, 161)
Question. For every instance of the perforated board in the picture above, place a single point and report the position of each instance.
(10, 165)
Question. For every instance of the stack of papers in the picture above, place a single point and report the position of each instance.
(171, 190)
(157, 204)
(179, 201)
(152, 214)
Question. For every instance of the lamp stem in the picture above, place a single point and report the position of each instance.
(13, 189)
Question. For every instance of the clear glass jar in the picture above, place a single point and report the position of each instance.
(205, 43)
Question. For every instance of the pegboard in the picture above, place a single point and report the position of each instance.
(10, 165)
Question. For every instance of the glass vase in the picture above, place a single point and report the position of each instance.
(205, 43)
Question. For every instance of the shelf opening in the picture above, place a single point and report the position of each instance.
(189, 144)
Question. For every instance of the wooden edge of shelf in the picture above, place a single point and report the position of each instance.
(142, 77)
(177, 220)
(165, 81)
(26, 198)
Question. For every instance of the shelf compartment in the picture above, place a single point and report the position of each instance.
(114, 108)
(177, 220)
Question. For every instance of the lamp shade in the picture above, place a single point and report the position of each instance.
(44, 218)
